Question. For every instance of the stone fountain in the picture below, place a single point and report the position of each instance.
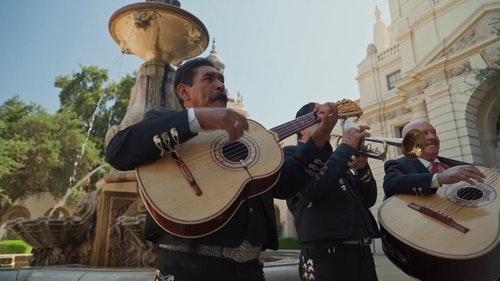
(106, 228)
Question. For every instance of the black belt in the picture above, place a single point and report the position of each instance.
(365, 241)
(245, 252)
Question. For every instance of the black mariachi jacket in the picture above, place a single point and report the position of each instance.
(134, 146)
(329, 209)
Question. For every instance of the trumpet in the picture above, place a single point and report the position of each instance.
(412, 145)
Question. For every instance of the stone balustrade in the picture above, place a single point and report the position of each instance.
(15, 260)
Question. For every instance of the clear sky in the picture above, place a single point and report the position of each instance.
(278, 54)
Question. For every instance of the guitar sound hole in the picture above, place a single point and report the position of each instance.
(470, 193)
(235, 151)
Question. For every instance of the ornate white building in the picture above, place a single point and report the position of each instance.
(424, 65)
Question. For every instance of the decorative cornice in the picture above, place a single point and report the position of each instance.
(454, 59)
(445, 68)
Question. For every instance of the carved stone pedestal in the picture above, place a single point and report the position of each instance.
(119, 227)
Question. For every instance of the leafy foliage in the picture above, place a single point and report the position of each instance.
(289, 243)
(40, 150)
(14, 247)
(44, 152)
(85, 93)
(491, 75)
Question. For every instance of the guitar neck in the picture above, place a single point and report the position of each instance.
(292, 127)
(346, 108)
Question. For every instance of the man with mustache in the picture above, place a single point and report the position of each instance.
(231, 253)
(417, 176)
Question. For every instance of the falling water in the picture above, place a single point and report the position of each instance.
(72, 179)
(3, 231)
(74, 187)
(82, 151)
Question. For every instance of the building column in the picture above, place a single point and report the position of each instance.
(418, 109)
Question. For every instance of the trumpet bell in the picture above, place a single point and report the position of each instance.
(413, 144)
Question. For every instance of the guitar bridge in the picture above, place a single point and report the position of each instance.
(440, 216)
(186, 172)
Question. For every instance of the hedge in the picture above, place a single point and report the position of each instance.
(14, 247)
(289, 243)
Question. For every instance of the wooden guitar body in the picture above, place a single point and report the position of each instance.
(454, 235)
(224, 179)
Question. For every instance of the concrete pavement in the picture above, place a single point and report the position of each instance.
(284, 269)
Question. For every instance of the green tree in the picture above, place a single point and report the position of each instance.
(50, 152)
(120, 93)
(39, 150)
(95, 101)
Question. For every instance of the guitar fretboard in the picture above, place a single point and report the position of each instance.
(290, 128)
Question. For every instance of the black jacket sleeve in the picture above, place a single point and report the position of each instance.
(134, 145)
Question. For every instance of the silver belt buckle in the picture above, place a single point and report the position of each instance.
(245, 252)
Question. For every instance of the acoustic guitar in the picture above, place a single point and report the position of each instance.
(195, 190)
(451, 235)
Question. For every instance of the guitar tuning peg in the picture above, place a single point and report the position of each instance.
(166, 140)
(157, 141)
(175, 136)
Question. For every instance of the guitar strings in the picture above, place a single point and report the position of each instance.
(296, 125)
(469, 194)
(199, 161)
(479, 189)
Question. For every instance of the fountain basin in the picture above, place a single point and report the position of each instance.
(158, 32)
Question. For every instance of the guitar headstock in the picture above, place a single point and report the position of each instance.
(347, 108)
